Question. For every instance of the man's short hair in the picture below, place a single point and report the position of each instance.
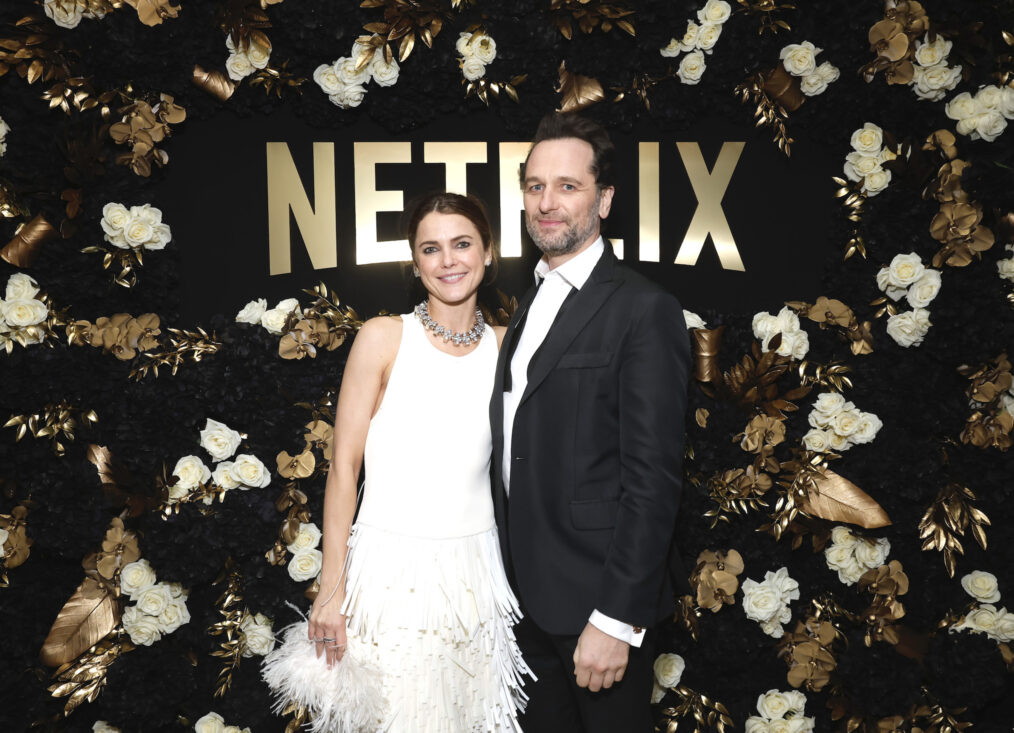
(558, 125)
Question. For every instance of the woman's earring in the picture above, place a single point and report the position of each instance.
(489, 262)
(415, 271)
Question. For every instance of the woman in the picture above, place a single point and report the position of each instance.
(422, 592)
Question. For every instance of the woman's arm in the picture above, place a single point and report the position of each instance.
(363, 383)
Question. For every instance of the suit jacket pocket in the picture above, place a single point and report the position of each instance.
(594, 513)
(587, 360)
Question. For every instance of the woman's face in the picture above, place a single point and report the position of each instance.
(450, 256)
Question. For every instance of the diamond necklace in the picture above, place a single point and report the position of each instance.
(472, 336)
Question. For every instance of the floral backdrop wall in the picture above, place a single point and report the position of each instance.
(847, 506)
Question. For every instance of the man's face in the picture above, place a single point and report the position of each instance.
(563, 203)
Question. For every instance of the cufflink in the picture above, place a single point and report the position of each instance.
(638, 630)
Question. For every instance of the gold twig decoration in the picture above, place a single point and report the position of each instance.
(641, 85)
(736, 491)
(853, 200)
(798, 477)
(830, 376)
(56, 421)
(230, 606)
(184, 345)
(483, 88)
(404, 21)
(275, 79)
(708, 714)
(752, 383)
(577, 92)
(769, 111)
(766, 9)
(688, 616)
(83, 680)
(589, 15)
(16, 549)
(11, 207)
(946, 520)
(323, 325)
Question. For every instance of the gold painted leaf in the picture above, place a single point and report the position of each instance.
(837, 499)
(89, 615)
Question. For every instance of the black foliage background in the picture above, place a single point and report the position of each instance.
(917, 392)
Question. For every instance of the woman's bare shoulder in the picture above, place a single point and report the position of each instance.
(380, 334)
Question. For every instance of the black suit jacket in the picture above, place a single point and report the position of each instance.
(597, 454)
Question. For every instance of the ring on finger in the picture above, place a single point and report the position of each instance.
(326, 639)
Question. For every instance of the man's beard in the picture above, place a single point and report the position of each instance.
(568, 241)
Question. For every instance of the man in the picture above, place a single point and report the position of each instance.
(587, 418)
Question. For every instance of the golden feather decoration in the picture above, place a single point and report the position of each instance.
(83, 680)
(706, 713)
(230, 651)
(56, 421)
(945, 521)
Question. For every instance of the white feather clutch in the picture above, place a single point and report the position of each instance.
(348, 698)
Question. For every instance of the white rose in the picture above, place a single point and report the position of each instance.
(765, 326)
(884, 283)
(981, 586)
(967, 126)
(258, 55)
(792, 725)
(816, 440)
(909, 328)
(788, 587)
(868, 139)
(989, 126)
(799, 59)
(773, 705)
(931, 54)
(1007, 102)
(932, 83)
(250, 471)
(174, 615)
(859, 165)
(670, 51)
(981, 619)
(161, 236)
(210, 723)
(794, 344)
(274, 320)
(669, 669)
(846, 422)
(305, 564)
(905, 270)
(252, 311)
(136, 577)
(64, 14)
(385, 74)
(114, 218)
(714, 11)
(826, 406)
(137, 232)
(142, 628)
(327, 78)
(1006, 268)
(238, 66)
(258, 636)
(840, 555)
(692, 67)
(813, 84)
(1007, 400)
(21, 286)
(657, 693)
(1004, 630)
(876, 181)
(925, 289)
(797, 702)
(154, 600)
(869, 426)
(708, 35)
(484, 48)
(473, 69)
(223, 476)
(851, 571)
(755, 724)
(761, 601)
(842, 535)
(828, 72)
(773, 628)
(4, 534)
(101, 726)
(348, 96)
(289, 305)
(689, 40)
(787, 320)
(695, 321)
(872, 553)
(219, 439)
(837, 442)
(176, 590)
(988, 98)
(961, 107)
(191, 472)
(308, 537)
(462, 45)
(21, 312)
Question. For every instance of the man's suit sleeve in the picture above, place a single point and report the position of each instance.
(653, 375)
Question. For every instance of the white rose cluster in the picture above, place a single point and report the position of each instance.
(139, 227)
(21, 312)
(693, 320)
(258, 638)
(852, 556)
(477, 50)
(800, 59)
(996, 623)
(101, 726)
(668, 669)
(985, 115)
(767, 602)
(780, 712)
(836, 424)
(245, 471)
(865, 162)
(159, 608)
(68, 13)
(932, 78)
(1006, 267)
(795, 341)
(244, 61)
(306, 559)
(907, 276)
(215, 723)
(345, 85)
(699, 39)
(4, 129)
(256, 312)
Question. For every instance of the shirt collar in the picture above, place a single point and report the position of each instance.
(575, 271)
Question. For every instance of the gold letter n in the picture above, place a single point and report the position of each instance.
(317, 224)
(709, 217)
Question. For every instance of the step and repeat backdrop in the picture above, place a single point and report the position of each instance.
(200, 202)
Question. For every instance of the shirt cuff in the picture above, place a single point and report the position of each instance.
(617, 629)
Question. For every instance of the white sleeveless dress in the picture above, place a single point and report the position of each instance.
(426, 595)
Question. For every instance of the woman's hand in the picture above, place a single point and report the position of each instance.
(326, 630)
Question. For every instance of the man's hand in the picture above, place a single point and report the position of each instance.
(599, 659)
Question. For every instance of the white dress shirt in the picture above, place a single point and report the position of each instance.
(556, 286)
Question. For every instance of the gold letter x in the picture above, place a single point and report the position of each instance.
(709, 217)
